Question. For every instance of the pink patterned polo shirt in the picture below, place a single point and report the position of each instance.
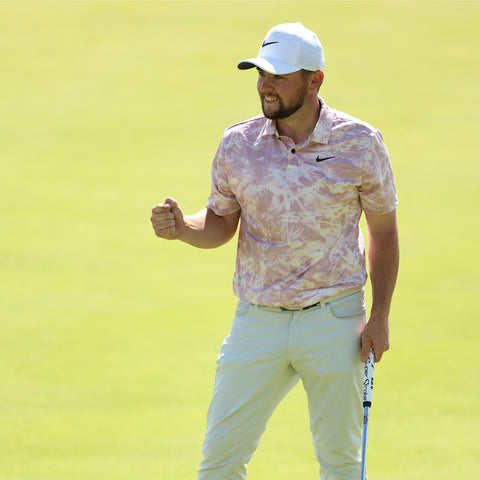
(299, 240)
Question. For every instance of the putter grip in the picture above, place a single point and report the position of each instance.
(368, 380)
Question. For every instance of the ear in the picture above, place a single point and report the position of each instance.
(316, 79)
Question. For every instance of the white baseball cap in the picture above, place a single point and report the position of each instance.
(287, 48)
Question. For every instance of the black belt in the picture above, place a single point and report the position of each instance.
(283, 309)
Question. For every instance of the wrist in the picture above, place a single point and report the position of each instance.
(379, 316)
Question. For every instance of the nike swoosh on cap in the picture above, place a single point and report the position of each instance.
(264, 44)
(318, 159)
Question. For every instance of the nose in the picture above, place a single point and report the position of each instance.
(264, 84)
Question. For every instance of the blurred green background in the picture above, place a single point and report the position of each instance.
(109, 335)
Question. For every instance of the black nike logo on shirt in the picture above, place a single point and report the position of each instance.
(264, 44)
(322, 159)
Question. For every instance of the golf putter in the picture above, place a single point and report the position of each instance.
(367, 403)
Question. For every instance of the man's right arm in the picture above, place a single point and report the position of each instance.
(204, 229)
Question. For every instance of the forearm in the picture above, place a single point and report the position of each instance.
(207, 230)
(383, 259)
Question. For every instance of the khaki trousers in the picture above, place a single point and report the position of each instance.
(266, 353)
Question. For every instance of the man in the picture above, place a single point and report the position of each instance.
(298, 178)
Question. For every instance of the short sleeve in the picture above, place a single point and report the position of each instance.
(377, 191)
(222, 200)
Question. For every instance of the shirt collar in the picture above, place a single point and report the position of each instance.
(323, 128)
(321, 132)
(269, 128)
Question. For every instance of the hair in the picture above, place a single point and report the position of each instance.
(305, 73)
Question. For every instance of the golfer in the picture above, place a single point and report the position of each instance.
(297, 178)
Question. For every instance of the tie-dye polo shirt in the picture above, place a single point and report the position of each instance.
(300, 205)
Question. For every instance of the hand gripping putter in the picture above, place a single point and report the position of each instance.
(367, 403)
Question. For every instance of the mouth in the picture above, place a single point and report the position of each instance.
(269, 99)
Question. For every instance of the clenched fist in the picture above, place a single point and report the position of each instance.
(167, 220)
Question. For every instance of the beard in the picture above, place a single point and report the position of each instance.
(283, 110)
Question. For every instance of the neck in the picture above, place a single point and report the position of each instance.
(301, 124)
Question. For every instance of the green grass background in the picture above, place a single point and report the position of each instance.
(108, 336)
